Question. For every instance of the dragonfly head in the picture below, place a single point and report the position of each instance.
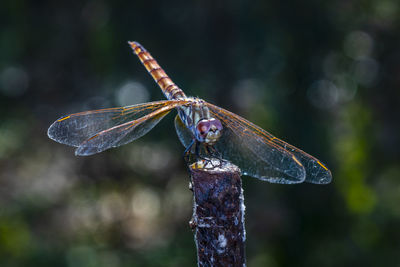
(208, 130)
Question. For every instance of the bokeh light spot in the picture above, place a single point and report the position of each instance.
(361, 199)
(132, 93)
(347, 87)
(323, 94)
(358, 44)
(145, 204)
(246, 92)
(112, 207)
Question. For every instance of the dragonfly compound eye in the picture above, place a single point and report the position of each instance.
(203, 127)
(209, 130)
(215, 125)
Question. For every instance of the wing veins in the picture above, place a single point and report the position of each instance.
(299, 156)
(85, 148)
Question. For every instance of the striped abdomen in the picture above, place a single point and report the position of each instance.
(169, 88)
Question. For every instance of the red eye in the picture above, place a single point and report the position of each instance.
(203, 127)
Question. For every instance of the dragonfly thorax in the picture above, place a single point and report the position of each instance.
(208, 130)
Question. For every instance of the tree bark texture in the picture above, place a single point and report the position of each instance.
(218, 213)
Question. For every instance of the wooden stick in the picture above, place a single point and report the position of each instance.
(218, 213)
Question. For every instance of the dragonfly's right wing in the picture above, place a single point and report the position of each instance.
(98, 130)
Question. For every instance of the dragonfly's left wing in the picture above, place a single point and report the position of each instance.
(281, 166)
(261, 155)
(95, 131)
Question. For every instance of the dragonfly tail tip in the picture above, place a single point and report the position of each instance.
(134, 44)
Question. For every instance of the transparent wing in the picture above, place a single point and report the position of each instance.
(233, 148)
(316, 171)
(96, 131)
(184, 135)
(73, 129)
(121, 134)
(261, 155)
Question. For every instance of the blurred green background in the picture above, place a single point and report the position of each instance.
(322, 75)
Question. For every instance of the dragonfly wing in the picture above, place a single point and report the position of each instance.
(316, 171)
(184, 134)
(121, 134)
(126, 132)
(246, 152)
(236, 154)
(261, 155)
(75, 128)
(248, 162)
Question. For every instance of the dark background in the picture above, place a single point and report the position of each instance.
(322, 75)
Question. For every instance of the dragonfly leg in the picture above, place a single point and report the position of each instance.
(211, 150)
(196, 147)
(197, 150)
(187, 155)
(197, 153)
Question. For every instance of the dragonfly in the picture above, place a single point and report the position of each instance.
(202, 128)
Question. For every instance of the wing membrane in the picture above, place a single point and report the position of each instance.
(260, 154)
(121, 134)
(184, 135)
(233, 148)
(75, 128)
(316, 171)
(98, 130)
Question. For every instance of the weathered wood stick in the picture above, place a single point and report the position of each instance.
(218, 213)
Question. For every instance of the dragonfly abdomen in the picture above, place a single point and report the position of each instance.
(168, 87)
